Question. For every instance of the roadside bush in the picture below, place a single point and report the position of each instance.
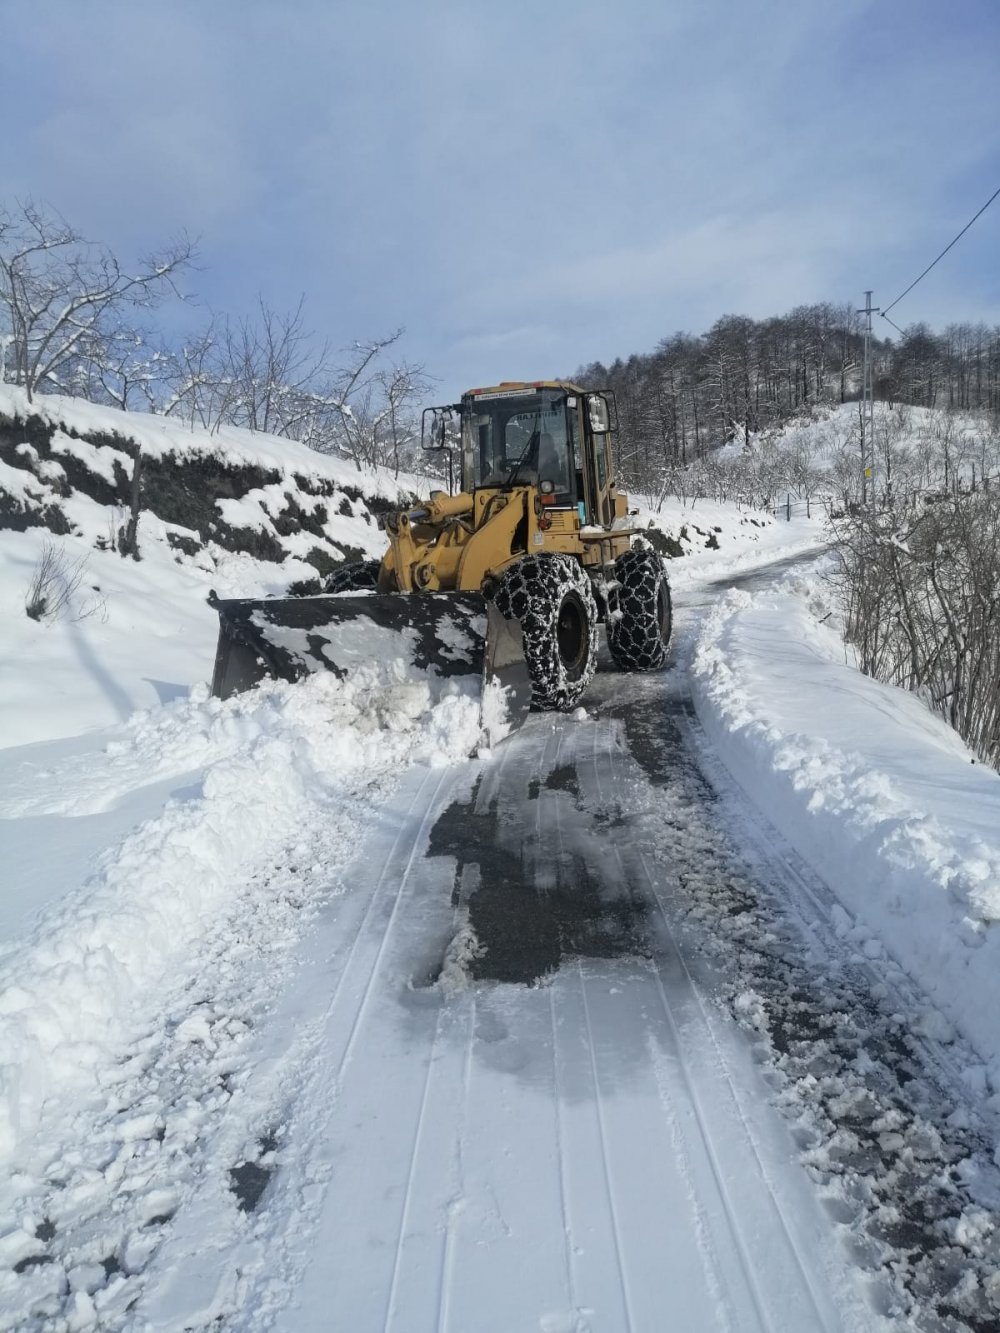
(53, 586)
(921, 593)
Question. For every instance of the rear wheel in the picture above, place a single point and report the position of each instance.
(551, 597)
(639, 634)
(355, 577)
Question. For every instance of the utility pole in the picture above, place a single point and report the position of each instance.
(868, 409)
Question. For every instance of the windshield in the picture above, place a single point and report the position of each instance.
(520, 439)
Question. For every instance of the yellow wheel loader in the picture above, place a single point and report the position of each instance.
(509, 578)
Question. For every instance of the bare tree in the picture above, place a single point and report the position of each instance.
(191, 379)
(368, 410)
(269, 367)
(122, 366)
(53, 586)
(61, 293)
(355, 400)
(921, 593)
(401, 385)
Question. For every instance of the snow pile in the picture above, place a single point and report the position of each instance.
(698, 536)
(721, 539)
(877, 793)
(73, 993)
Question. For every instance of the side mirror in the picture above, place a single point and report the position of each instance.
(436, 425)
(597, 411)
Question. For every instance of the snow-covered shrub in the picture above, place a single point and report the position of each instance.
(922, 610)
(54, 582)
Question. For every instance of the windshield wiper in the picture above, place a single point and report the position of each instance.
(533, 440)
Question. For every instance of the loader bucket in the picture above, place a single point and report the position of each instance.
(438, 635)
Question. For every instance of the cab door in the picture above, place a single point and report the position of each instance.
(599, 421)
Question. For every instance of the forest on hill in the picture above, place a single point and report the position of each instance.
(745, 376)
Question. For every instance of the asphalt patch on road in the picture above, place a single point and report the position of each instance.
(249, 1179)
(535, 902)
(563, 778)
(655, 742)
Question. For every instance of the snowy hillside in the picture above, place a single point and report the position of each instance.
(244, 514)
(915, 449)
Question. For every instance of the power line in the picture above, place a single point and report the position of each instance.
(889, 321)
(942, 254)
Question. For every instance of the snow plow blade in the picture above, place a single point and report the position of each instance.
(435, 635)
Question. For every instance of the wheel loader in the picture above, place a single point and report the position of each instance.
(508, 579)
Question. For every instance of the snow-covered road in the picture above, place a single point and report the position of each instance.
(351, 1033)
(594, 1152)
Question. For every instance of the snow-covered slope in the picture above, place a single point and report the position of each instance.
(245, 515)
(916, 448)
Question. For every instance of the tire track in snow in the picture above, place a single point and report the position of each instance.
(718, 1175)
(569, 1230)
(404, 1217)
(605, 1164)
(707, 1031)
(454, 1203)
(901, 1166)
(416, 843)
(631, 1255)
(675, 1140)
(604, 743)
(563, 1168)
(562, 1165)
(490, 781)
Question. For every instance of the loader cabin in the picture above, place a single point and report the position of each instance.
(547, 434)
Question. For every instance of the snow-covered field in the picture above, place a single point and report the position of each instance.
(170, 881)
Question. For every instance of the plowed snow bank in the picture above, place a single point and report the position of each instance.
(877, 793)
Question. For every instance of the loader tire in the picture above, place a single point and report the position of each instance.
(551, 597)
(639, 634)
(355, 577)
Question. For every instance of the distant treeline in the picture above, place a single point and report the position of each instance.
(743, 376)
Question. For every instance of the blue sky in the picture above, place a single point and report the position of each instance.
(525, 187)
